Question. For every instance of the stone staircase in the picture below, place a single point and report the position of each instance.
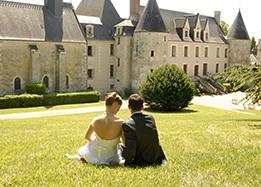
(209, 85)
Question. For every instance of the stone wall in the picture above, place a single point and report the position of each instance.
(191, 61)
(239, 51)
(31, 65)
(143, 62)
(100, 63)
(123, 65)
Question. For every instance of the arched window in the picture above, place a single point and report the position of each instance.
(46, 81)
(17, 83)
(67, 82)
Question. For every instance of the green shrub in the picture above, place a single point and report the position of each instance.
(168, 88)
(16, 101)
(69, 98)
(27, 100)
(35, 88)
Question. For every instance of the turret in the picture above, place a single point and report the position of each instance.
(239, 42)
(149, 44)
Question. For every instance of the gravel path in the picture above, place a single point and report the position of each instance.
(221, 101)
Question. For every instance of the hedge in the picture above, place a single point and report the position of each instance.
(28, 100)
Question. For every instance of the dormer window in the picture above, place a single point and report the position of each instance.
(206, 36)
(186, 34)
(197, 35)
(119, 31)
(89, 31)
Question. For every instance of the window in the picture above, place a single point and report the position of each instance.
(90, 73)
(185, 68)
(225, 66)
(111, 71)
(197, 35)
(46, 82)
(205, 69)
(218, 51)
(165, 38)
(186, 51)
(206, 36)
(226, 53)
(89, 31)
(112, 87)
(119, 40)
(186, 34)
(112, 50)
(217, 68)
(152, 54)
(206, 51)
(17, 84)
(197, 52)
(119, 31)
(196, 69)
(119, 62)
(174, 51)
(67, 82)
(90, 52)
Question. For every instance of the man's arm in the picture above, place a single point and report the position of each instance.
(129, 149)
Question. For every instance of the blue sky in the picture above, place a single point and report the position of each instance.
(250, 9)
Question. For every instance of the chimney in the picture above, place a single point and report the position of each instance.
(217, 15)
(54, 6)
(134, 10)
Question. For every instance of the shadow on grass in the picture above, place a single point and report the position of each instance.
(49, 107)
(183, 111)
(249, 120)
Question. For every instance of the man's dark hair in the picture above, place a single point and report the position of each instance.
(136, 102)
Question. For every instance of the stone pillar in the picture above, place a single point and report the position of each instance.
(61, 71)
(36, 66)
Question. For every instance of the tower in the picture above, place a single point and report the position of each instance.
(149, 44)
(239, 42)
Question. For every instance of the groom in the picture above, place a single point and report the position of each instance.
(141, 145)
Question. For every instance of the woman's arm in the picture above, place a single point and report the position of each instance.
(89, 133)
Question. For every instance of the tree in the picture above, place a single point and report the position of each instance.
(224, 27)
(168, 89)
(245, 78)
(253, 49)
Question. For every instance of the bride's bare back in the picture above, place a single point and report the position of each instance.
(107, 126)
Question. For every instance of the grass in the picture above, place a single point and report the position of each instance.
(44, 108)
(205, 147)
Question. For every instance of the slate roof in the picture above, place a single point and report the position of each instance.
(174, 21)
(108, 15)
(151, 20)
(238, 29)
(20, 21)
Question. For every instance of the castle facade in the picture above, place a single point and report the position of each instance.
(94, 47)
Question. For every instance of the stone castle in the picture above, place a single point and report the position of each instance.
(92, 46)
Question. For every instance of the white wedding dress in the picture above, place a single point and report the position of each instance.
(100, 151)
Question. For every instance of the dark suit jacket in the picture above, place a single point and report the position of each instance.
(141, 141)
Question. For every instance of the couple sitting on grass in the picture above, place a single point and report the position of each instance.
(140, 143)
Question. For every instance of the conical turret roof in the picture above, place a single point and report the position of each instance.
(238, 29)
(151, 19)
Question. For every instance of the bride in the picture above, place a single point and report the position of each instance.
(104, 135)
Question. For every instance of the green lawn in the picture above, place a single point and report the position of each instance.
(205, 147)
(44, 108)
